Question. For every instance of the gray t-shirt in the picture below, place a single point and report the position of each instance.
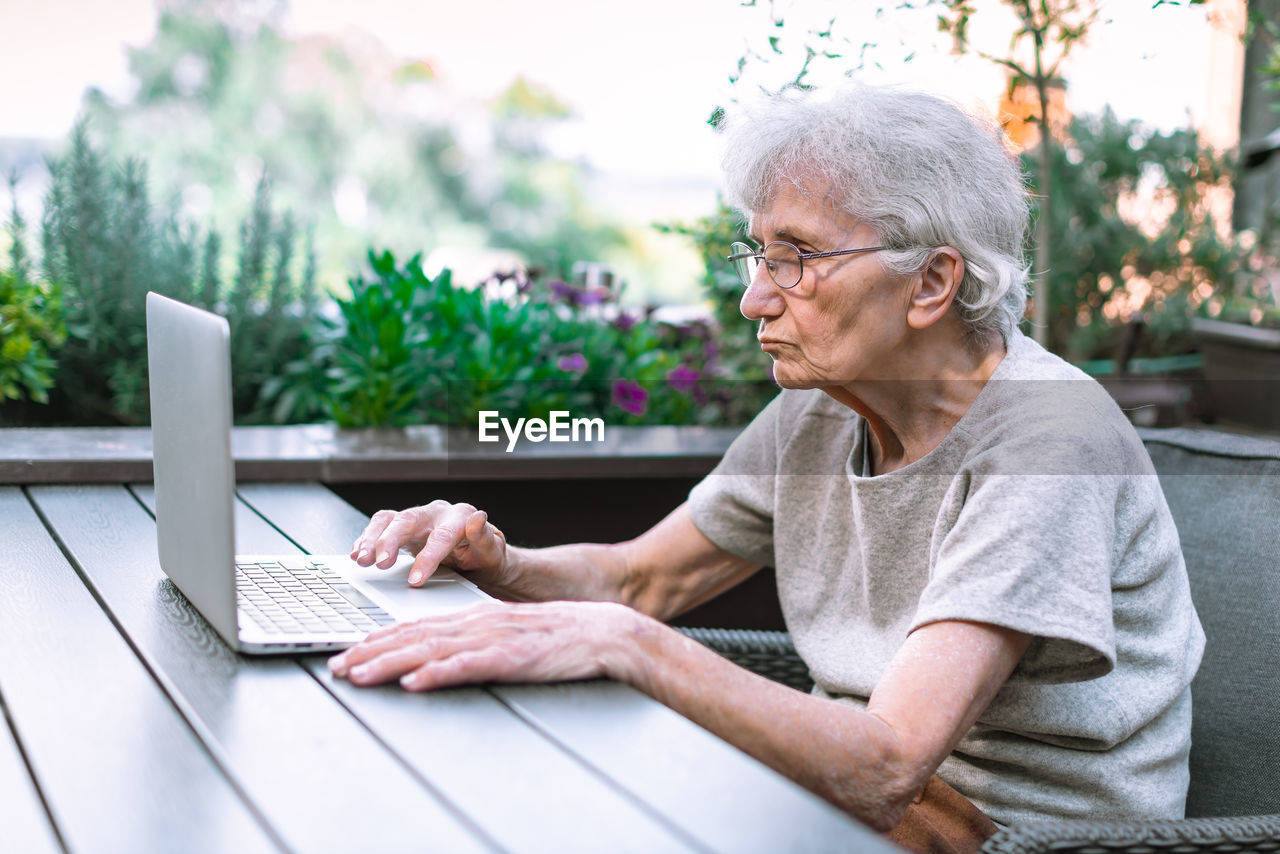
(1040, 511)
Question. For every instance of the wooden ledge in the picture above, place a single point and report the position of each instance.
(325, 453)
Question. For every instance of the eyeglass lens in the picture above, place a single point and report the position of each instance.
(782, 261)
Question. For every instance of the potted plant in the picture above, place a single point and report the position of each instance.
(1241, 348)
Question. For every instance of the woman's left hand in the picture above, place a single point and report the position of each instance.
(495, 642)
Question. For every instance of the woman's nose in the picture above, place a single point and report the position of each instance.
(762, 298)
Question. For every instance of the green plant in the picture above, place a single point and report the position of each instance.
(1135, 233)
(413, 349)
(31, 327)
(31, 331)
(744, 376)
(373, 378)
(272, 314)
(107, 245)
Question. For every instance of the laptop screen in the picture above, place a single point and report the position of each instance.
(189, 370)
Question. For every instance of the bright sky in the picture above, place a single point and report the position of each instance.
(643, 76)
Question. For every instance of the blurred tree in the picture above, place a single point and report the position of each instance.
(1134, 233)
(366, 148)
(1048, 30)
(105, 245)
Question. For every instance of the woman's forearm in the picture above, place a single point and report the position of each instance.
(839, 752)
(663, 572)
(584, 571)
(869, 762)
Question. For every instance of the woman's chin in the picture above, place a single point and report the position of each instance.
(785, 379)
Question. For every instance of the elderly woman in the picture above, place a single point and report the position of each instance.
(973, 554)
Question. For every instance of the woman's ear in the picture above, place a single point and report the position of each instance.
(936, 288)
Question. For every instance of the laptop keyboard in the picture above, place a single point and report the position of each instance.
(306, 597)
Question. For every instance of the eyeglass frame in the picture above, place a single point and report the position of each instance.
(801, 256)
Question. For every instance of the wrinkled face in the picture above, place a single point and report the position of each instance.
(846, 318)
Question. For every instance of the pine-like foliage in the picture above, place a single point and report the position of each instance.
(107, 245)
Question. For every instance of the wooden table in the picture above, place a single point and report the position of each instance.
(129, 726)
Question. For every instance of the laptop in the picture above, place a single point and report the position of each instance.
(259, 604)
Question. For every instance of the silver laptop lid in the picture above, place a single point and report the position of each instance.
(189, 369)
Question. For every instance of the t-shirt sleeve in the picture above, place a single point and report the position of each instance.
(1034, 552)
(733, 506)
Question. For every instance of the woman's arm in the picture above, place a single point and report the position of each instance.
(870, 763)
(663, 572)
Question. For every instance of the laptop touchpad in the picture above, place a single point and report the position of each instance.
(433, 597)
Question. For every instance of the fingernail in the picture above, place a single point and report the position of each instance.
(382, 555)
(338, 664)
(409, 680)
(360, 671)
(364, 553)
(415, 577)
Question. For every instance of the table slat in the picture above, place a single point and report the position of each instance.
(303, 759)
(118, 766)
(313, 515)
(727, 799)
(25, 823)
(525, 791)
(253, 533)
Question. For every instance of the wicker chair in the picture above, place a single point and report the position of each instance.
(1224, 491)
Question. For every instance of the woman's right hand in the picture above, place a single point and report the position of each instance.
(457, 536)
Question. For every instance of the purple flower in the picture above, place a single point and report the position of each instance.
(683, 378)
(595, 296)
(625, 322)
(629, 396)
(563, 290)
(696, 329)
(574, 364)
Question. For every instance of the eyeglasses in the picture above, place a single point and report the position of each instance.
(784, 262)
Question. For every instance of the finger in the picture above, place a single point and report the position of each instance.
(368, 648)
(459, 624)
(478, 537)
(401, 634)
(362, 550)
(393, 663)
(408, 525)
(491, 664)
(459, 620)
(488, 544)
(448, 531)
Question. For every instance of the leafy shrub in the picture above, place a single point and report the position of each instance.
(744, 374)
(272, 314)
(412, 349)
(31, 331)
(107, 245)
(31, 328)
(1109, 262)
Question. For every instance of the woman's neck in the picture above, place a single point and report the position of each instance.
(912, 409)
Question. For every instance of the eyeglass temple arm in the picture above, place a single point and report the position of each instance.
(805, 256)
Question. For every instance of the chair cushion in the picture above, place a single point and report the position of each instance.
(1224, 492)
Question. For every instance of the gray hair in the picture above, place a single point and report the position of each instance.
(914, 167)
